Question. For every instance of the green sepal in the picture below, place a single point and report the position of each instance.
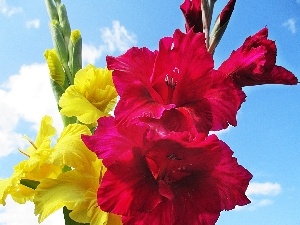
(68, 220)
(58, 91)
(75, 51)
(66, 168)
(205, 7)
(30, 183)
(64, 22)
(60, 47)
(216, 35)
(51, 9)
(59, 41)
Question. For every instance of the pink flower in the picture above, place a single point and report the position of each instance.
(193, 15)
(169, 179)
(175, 88)
(254, 63)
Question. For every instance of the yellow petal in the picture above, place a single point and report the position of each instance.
(56, 70)
(73, 103)
(35, 168)
(71, 189)
(93, 95)
(70, 149)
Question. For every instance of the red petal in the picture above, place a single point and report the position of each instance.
(109, 144)
(280, 75)
(193, 15)
(232, 180)
(184, 54)
(254, 63)
(136, 102)
(133, 67)
(128, 187)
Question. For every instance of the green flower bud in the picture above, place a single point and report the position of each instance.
(60, 47)
(59, 42)
(75, 51)
(51, 9)
(64, 22)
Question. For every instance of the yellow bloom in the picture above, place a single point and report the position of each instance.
(35, 168)
(92, 96)
(76, 189)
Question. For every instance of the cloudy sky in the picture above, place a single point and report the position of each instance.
(266, 140)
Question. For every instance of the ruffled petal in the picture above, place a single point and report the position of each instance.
(254, 63)
(128, 187)
(133, 67)
(229, 174)
(70, 150)
(101, 141)
(193, 15)
(93, 95)
(180, 58)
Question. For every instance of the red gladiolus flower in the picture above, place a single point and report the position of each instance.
(254, 63)
(173, 179)
(193, 15)
(176, 85)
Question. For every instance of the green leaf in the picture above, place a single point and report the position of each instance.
(216, 35)
(57, 89)
(30, 183)
(68, 220)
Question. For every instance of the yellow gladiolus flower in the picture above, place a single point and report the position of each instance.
(76, 189)
(33, 169)
(92, 96)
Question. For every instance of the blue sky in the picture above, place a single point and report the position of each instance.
(266, 140)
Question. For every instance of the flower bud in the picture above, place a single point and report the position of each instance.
(56, 71)
(64, 22)
(75, 51)
(59, 42)
(220, 25)
(51, 9)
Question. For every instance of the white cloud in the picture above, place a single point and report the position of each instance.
(90, 53)
(8, 10)
(261, 195)
(25, 96)
(32, 24)
(290, 24)
(15, 214)
(115, 39)
(267, 189)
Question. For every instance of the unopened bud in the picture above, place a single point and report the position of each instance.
(56, 70)
(64, 22)
(51, 9)
(75, 51)
(220, 25)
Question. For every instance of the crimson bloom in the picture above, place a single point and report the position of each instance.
(193, 15)
(254, 63)
(169, 179)
(176, 85)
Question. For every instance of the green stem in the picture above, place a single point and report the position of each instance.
(68, 220)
